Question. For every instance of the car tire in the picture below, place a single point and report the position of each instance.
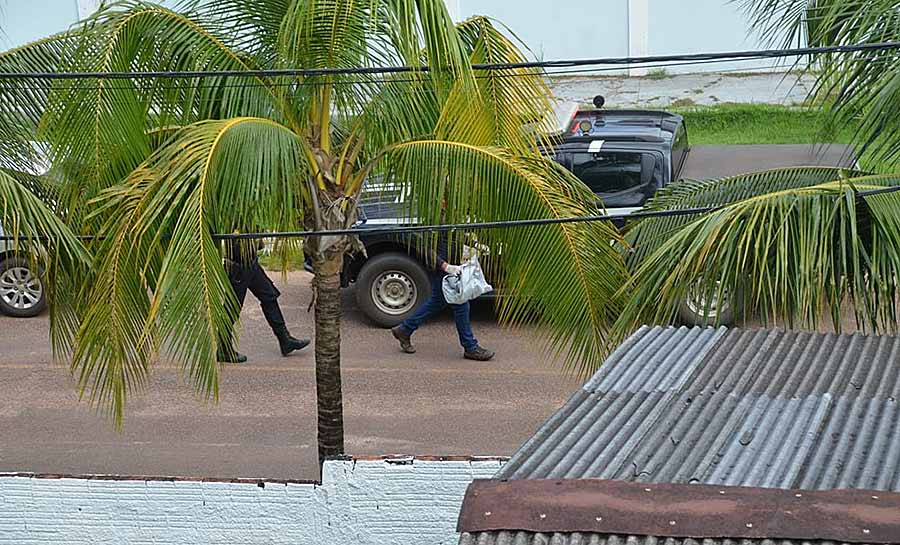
(22, 293)
(390, 287)
(694, 311)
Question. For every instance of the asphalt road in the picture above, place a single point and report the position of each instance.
(429, 403)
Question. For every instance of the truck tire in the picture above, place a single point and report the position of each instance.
(694, 311)
(390, 287)
(22, 293)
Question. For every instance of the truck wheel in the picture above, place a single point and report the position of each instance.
(696, 310)
(21, 291)
(390, 287)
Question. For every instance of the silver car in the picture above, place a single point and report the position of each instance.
(21, 291)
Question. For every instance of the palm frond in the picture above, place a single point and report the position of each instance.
(490, 110)
(510, 99)
(427, 22)
(405, 107)
(24, 100)
(785, 253)
(100, 130)
(252, 27)
(31, 221)
(214, 176)
(563, 277)
(26, 214)
(779, 22)
(646, 235)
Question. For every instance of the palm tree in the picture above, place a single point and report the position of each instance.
(154, 167)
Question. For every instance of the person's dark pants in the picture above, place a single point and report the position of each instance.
(252, 277)
(435, 304)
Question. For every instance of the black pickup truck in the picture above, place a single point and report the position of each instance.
(624, 156)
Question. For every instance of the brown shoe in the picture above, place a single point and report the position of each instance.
(405, 341)
(478, 354)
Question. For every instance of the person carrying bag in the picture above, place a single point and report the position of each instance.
(464, 278)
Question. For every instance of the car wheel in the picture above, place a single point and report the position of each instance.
(390, 287)
(698, 310)
(21, 290)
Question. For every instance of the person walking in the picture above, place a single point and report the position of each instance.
(245, 273)
(436, 303)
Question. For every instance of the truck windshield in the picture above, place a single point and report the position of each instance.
(613, 171)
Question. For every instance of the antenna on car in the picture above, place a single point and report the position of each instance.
(599, 101)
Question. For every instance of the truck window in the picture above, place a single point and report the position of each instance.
(613, 171)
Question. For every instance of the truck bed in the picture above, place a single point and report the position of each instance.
(706, 162)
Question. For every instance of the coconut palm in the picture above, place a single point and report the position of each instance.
(155, 167)
(783, 244)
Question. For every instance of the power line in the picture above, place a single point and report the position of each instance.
(413, 229)
(375, 81)
(375, 70)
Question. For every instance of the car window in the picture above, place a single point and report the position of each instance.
(609, 172)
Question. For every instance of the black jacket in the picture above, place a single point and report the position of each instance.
(243, 252)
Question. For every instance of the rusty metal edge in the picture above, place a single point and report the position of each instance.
(680, 510)
(261, 482)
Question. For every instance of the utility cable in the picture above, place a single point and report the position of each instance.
(412, 229)
(374, 70)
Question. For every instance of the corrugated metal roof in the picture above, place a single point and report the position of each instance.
(762, 408)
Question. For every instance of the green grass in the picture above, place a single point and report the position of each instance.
(657, 73)
(760, 124)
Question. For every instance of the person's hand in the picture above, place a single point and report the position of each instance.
(453, 270)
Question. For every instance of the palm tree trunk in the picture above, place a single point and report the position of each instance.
(328, 355)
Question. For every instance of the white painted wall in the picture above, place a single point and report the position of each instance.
(360, 502)
(87, 7)
(616, 28)
(560, 30)
(566, 29)
(23, 21)
(700, 26)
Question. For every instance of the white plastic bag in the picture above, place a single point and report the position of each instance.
(468, 285)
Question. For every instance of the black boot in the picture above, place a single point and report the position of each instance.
(230, 355)
(288, 343)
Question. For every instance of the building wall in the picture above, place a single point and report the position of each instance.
(23, 21)
(562, 30)
(613, 28)
(364, 502)
(708, 25)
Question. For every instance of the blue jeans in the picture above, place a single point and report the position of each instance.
(434, 305)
